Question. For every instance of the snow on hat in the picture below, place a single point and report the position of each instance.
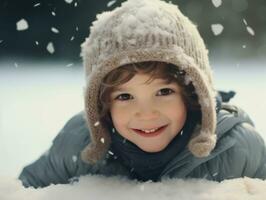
(139, 31)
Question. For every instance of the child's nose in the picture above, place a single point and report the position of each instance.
(147, 112)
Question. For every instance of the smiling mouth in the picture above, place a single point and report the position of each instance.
(150, 132)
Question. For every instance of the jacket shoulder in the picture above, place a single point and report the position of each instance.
(246, 157)
(249, 149)
(230, 116)
(74, 133)
(62, 161)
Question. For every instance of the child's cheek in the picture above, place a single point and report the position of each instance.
(121, 110)
(121, 116)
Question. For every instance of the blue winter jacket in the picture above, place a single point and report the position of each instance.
(240, 151)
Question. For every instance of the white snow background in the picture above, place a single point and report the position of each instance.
(36, 100)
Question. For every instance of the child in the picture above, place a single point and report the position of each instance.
(151, 110)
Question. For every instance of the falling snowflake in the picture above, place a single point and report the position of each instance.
(76, 4)
(69, 1)
(1, 41)
(53, 13)
(22, 25)
(16, 65)
(36, 42)
(50, 47)
(102, 140)
(250, 30)
(110, 3)
(217, 29)
(217, 3)
(77, 28)
(215, 174)
(244, 46)
(55, 30)
(245, 22)
(69, 65)
(111, 153)
(113, 130)
(97, 123)
(72, 38)
(74, 158)
(37, 4)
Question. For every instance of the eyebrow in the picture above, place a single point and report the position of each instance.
(120, 89)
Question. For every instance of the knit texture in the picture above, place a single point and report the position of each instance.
(139, 31)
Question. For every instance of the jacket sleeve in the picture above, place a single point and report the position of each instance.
(62, 161)
(246, 158)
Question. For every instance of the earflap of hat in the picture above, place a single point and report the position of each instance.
(204, 140)
(99, 137)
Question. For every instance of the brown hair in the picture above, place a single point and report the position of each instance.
(123, 74)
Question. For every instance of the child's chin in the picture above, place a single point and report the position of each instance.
(152, 149)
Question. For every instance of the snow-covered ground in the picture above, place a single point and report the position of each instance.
(36, 99)
(117, 188)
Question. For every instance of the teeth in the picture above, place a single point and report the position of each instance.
(149, 131)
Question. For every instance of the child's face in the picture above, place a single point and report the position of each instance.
(146, 106)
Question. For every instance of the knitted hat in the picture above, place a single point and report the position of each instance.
(139, 31)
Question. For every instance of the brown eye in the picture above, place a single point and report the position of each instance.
(123, 97)
(165, 91)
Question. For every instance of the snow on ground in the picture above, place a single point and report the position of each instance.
(36, 100)
(101, 188)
